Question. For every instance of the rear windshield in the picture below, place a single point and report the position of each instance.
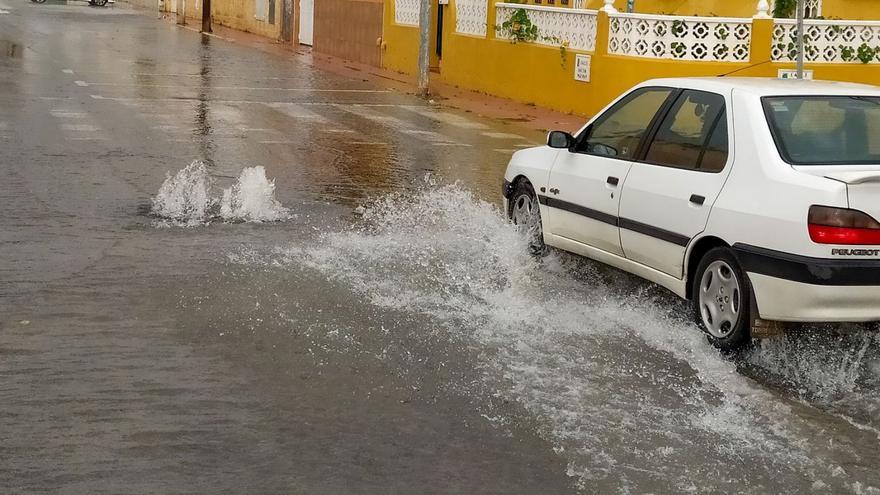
(825, 130)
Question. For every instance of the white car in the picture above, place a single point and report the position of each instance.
(757, 199)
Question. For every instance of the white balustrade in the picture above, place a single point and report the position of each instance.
(828, 41)
(470, 17)
(707, 39)
(556, 26)
(406, 12)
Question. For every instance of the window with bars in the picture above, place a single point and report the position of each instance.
(812, 8)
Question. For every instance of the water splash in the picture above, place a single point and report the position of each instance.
(631, 393)
(186, 198)
(252, 199)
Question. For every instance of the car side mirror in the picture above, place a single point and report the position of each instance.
(560, 140)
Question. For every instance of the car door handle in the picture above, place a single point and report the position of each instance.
(612, 181)
(697, 199)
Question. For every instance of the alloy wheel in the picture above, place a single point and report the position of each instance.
(720, 299)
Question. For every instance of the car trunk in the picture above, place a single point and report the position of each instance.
(862, 184)
(862, 188)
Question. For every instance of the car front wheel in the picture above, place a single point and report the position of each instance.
(526, 215)
(721, 297)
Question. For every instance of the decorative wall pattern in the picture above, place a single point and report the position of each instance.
(556, 25)
(682, 38)
(470, 17)
(828, 41)
(406, 12)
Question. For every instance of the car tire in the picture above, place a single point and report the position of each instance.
(525, 213)
(721, 296)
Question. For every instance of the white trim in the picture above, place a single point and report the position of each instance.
(829, 22)
(686, 18)
(561, 10)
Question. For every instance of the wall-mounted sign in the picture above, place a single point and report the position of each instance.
(792, 74)
(582, 67)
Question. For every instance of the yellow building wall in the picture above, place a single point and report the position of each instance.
(831, 9)
(239, 14)
(542, 75)
(851, 9)
(235, 14)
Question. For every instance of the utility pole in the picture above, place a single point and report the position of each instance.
(206, 16)
(424, 36)
(800, 38)
(181, 12)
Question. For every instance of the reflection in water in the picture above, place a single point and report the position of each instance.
(203, 125)
(10, 49)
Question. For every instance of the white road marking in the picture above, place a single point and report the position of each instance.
(464, 145)
(67, 71)
(298, 112)
(3, 11)
(369, 143)
(165, 128)
(97, 97)
(259, 129)
(505, 151)
(339, 131)
(242, 88)
(81, 83)
(521, 146)
(86, 138)
(280, 142)
(393, 122)
(67, 114)
(445, 117)
(80, 127)
(502, 135)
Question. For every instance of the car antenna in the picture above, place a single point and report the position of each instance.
(744, 68)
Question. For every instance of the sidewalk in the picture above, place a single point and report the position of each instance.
(504, 110)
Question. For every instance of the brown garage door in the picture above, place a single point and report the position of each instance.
(349, 29)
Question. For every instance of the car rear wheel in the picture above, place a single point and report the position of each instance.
(721, 297)
(525, 214)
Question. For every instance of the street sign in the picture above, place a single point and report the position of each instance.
(582, 68)
(793, 74)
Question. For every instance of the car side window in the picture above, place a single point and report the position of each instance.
(682, 138)
(715, 155)
(618, 132)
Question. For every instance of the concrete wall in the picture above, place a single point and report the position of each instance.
(235, 14)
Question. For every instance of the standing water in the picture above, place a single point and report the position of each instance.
(632, 395)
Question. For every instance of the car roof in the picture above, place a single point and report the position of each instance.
(767, 86)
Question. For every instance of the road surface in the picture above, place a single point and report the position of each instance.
(383, 330)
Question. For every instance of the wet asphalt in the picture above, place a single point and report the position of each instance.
(131, 357)
(409, 347)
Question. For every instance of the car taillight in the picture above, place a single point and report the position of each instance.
(829, 225)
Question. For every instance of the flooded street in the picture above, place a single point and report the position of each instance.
(227, 271)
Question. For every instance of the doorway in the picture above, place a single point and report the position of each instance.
(306, 22)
